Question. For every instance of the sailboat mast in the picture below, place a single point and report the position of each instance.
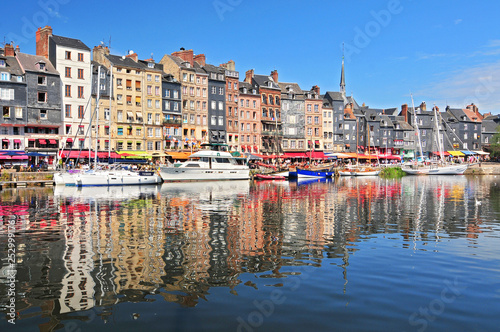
(418, 130)
(438, 133)
(97, 115)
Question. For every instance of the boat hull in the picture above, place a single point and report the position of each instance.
(359, 172)
(107, 178)
(439, 170)
(268, 177)
(302, 173)
(202, 174)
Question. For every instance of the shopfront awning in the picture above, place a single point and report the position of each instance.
(456, 153)
(70, 140)
(437, 153)
(467, 153)
(42, 141)
(294, 155)
(178, 155)
(316, 155)
(482, 153)
(52, 141)
(17, 141)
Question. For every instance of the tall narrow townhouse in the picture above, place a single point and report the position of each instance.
(270, 94)
(216, 104)
(327, 126)
(152, 105)
(13, 91)
(101, 102)
(135, 122)
(314, 119)
(249, 119)
(232, 95)
(43, 121)
(194, 94)
(293, 116)
(172, 114)
(71, 58)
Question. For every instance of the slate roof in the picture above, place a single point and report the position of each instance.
(69, 42)
(263, 82)
(334, 96)
(291, 87)
(157, 66)
(122, 61)
(28, 63)
(11, 66)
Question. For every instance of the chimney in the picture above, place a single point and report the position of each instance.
(98, 54)
(274, 75)
(42, 41)
(404, 111)
(186, 55)
(316, 89)
(18, 49)
(423, 106)
(9, 50)
(437, 109)
(230, 65)
(131, 54)
(200, 58)
(249, 76)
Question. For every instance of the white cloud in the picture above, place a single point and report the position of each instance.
(479, 85)
(458, 21)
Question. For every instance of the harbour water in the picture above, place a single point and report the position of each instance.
(352, 254)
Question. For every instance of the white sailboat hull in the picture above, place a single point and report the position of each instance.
(436, 170)
(107, 178)
(355, 172)
(203, 174)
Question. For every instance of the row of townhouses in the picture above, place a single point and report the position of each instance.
(68, 96)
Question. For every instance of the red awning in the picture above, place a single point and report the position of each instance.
(31, 139)
(316, 142)
(5, 140)
(17, 141)
(437, 153)
(294, 155)
(316, 155)
(42, 141)
(70, 140)
(52, 141)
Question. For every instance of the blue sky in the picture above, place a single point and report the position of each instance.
(443, 52)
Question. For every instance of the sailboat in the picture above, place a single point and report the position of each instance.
(105, 177)
(360, 170)
(440, 167)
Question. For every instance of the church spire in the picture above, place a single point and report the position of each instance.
(342, 75)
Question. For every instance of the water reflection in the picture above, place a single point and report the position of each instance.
(77, 249)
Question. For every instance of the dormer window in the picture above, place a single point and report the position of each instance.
(270, 84)
(244, 90)
(254, 91)
(2, 63)
(151, 65)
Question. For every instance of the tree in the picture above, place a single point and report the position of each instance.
(495, 144)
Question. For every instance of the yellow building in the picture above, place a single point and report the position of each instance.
(131, 121)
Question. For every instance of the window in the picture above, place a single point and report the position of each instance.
(184, 77)
(119, 131)
(42, 97)
(176, 106)
(2, 63)
(150, 103)
(149, 77)
(80, 92)
(80, 56)
(80, 74)
(157, 104)
(5, 77)
(67, 90)
(67, 71)
(221, 91)
(204, 92)
(67, 55)
(138, 132)
(67, 111)
(176, 94)
(150, 132)
(309, 108)
(81, 112)
(6, 111)
(157, 90)
(191, 78)
(214, 90)
(213, 120)
(221, 120)
(19, 113)
(191, 91)
(221, 106)
(43, 114)
(213, 104)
